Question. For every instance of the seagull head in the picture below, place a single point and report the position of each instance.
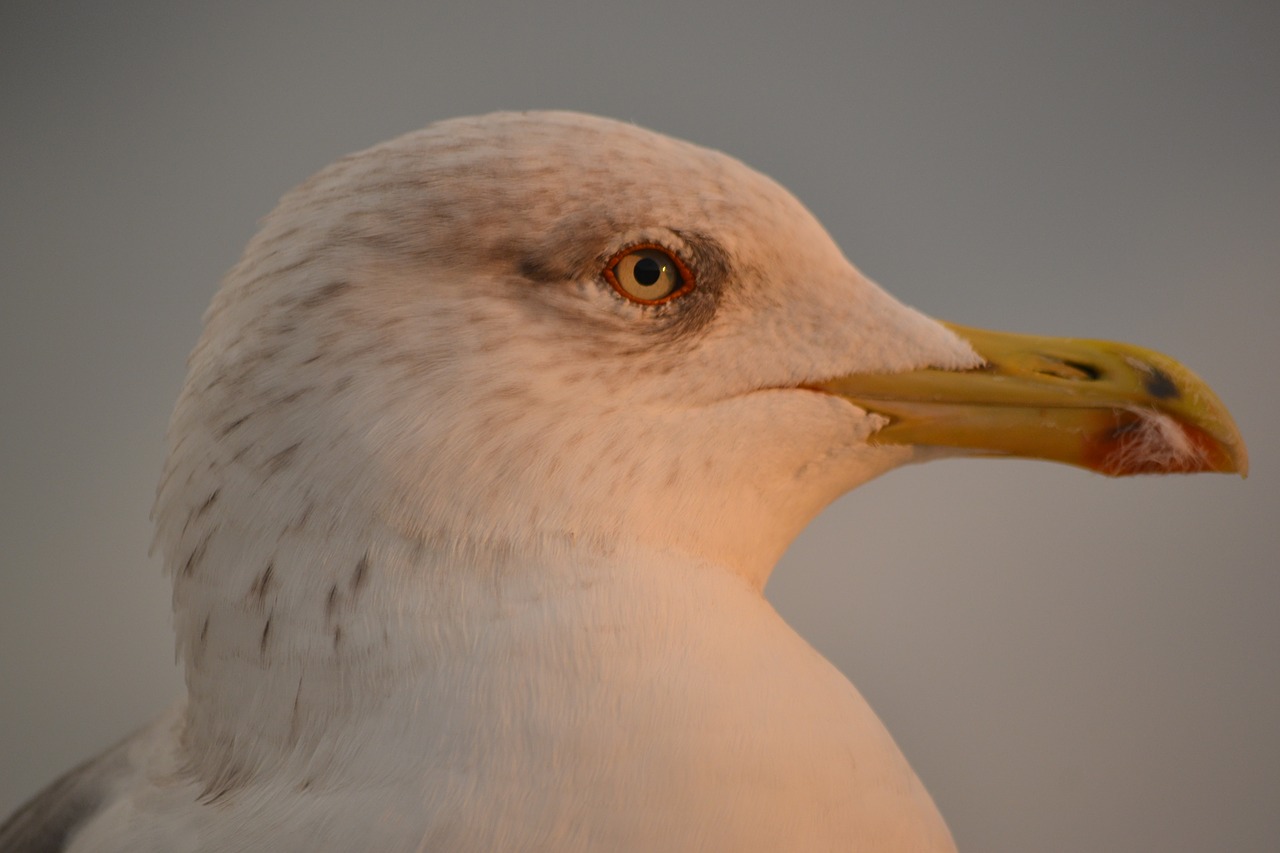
(532, 330)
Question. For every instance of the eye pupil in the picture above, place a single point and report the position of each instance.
(647, 271)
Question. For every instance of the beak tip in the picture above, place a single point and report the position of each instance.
(1241, 458)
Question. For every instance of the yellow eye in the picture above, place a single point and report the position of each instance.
(648, 274)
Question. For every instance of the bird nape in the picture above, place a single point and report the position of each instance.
(489, 445)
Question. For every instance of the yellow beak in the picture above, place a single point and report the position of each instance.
(1109, 407)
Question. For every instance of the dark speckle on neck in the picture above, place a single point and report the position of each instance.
(361, 575)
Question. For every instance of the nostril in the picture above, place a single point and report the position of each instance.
(1087, 371)
(1061, 368)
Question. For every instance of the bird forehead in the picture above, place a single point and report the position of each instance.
(514, 178)
(552, 152)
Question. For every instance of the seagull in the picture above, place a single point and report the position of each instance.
(487, 450)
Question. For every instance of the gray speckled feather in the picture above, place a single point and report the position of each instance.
(46, 822)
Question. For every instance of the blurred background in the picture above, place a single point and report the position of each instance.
(1070, 663)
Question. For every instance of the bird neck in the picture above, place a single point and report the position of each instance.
(327, 644)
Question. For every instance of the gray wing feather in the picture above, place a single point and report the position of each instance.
(47, 821)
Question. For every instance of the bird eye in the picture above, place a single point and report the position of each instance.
(648, 274)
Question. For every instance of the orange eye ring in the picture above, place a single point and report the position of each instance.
(648, 274)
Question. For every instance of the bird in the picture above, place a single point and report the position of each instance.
(483, 459)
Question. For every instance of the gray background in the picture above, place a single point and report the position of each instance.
(1071, 663)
